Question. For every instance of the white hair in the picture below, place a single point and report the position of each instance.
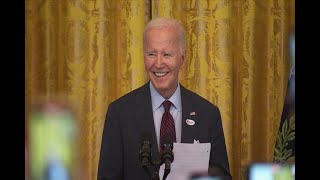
(166, 22)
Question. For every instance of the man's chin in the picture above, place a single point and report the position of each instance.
(160, 87)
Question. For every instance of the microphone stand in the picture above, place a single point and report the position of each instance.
(145, 158)
(156, 165)
(167, 158)
(151, 166)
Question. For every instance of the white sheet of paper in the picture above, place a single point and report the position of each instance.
(188, 159)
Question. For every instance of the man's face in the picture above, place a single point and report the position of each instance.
(163, 59)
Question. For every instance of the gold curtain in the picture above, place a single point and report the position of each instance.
(90, 53)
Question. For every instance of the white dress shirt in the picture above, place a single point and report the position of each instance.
(158, 110)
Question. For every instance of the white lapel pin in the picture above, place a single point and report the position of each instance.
(196, 141)
(190, 122)
(192, 113)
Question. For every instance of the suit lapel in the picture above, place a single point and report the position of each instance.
(144, 116)
(189, 131)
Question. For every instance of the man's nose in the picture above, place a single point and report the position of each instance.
(159, 61)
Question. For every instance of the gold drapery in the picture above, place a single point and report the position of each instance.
(90, 52)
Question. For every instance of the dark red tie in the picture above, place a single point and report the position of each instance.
(167, 128)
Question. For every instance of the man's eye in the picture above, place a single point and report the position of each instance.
(151, 54)
(167, 55)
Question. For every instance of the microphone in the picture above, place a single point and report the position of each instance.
(167, 156)
(145, 153)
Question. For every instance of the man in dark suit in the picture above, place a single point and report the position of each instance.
(140, 111)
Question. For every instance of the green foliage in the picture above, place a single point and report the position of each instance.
(283, 154)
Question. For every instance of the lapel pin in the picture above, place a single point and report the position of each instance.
(190, 122)
(196, 141)
(192, 113)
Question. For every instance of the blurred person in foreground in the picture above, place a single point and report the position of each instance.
(141, 110)
(51, 142)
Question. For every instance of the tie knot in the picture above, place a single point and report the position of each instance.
(166, 105)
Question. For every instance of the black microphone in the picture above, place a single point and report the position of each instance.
(167, 156)
(145, 153)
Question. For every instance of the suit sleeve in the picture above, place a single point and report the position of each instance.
(111, 158)
(219, 164)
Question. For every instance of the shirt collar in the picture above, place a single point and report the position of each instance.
(157, 99)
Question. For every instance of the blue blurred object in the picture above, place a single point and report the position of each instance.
(56, 170)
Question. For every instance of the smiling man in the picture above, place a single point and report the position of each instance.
(164, 55)
(160, 108)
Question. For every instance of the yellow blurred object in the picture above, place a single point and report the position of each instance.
(51, 138)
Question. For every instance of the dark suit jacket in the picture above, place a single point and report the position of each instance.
(131, 115)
